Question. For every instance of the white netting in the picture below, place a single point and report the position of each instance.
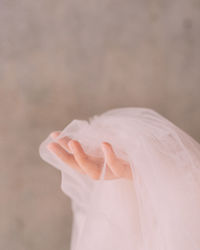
(159, 209)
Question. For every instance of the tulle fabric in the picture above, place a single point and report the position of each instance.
(159, 209)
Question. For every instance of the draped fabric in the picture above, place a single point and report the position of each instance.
(159, 209)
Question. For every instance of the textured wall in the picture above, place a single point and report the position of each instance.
(61, 60)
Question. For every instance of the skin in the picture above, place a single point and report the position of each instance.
(71, 152)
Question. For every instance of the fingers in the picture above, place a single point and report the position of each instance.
(110, 157)
(118, 166)
(84, 160)
(62, 141)
(63, 155)
(76, 158)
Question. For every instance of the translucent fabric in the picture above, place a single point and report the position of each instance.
(159, 209)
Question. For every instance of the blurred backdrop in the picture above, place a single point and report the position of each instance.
(64, 60)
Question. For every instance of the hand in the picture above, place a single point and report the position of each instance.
(71, 152)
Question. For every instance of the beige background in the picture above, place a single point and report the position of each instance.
(61, 60)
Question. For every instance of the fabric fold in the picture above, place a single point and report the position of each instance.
(159, 209)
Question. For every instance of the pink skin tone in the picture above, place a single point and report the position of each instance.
(72, 153)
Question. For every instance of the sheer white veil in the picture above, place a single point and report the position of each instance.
(159, 209)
